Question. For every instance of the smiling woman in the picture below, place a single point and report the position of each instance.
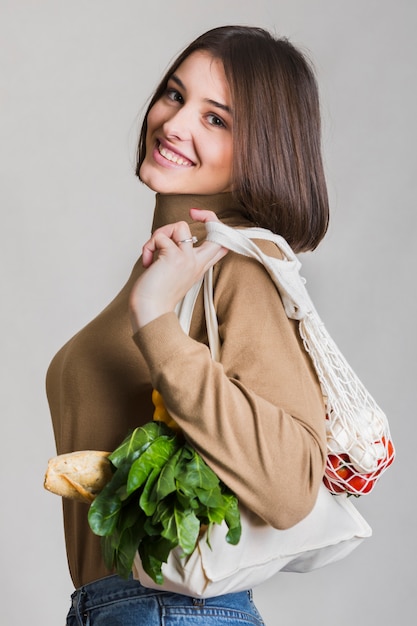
(232, 133)
(278, 177)
(189, 140)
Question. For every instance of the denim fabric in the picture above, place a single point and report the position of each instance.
(115, 602)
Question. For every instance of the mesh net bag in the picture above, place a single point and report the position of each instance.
(359, 444)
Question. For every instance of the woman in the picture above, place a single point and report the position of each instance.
(232, 133)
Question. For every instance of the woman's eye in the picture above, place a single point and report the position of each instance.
(174, 95)
(214, 120)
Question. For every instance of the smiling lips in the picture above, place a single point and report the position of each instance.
(173, 157)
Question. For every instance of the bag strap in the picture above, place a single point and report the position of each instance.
(285, 273)
(185, 310)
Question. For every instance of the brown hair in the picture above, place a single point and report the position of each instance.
(278, 176)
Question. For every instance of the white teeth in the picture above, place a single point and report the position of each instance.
(170, 156)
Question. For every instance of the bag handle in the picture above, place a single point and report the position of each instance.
(185, 310)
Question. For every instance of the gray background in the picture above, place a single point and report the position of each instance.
(74, 77)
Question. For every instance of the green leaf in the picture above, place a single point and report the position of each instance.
(232, 519)
(104, 510)
(212, 497)
(151, 529)
(188, 528)
(189, 501)
(166, 480)
(108, 550)
(167, 520)
(216, 515)
(195, 472)
(156, 455)
(119, 549)
(147, 500)
(153, 554)
(127, 548)
(130, 514)
(138, 441)
(103, 519)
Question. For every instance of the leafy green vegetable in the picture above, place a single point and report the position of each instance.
(160, 495)
(137, 442)
(155, 456)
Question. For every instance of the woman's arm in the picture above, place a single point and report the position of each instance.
(257, 417)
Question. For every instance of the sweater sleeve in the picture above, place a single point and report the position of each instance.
(257, 416)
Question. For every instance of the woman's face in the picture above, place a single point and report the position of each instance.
(189, 135)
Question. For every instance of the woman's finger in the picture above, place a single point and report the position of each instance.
(203, 215)
(158, 241)
(208, 254)
(163, 239)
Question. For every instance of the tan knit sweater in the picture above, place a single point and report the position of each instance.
(257, 417)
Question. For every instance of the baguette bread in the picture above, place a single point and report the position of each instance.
(78, 475)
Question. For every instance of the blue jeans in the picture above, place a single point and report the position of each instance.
(113, 601)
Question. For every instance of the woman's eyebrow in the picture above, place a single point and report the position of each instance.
(219, 105)
(179, 82)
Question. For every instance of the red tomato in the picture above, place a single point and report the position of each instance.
(338, 467)
(360, 484)
(333, 487)
(389, 446)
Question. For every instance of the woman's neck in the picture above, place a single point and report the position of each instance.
(176, 207)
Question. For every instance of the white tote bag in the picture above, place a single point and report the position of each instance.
(329, 533)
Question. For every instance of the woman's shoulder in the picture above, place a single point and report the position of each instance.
(237, 272)
(239, 262)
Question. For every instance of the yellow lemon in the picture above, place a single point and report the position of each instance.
(161, 414)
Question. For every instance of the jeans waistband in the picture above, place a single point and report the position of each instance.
(113, 589)
(110, 589)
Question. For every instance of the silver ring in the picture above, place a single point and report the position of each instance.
(192, 240)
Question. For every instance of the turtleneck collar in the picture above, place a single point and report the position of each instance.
(176, 207)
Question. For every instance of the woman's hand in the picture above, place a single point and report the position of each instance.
(172, 269)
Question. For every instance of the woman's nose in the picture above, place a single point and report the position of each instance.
(179, 125)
